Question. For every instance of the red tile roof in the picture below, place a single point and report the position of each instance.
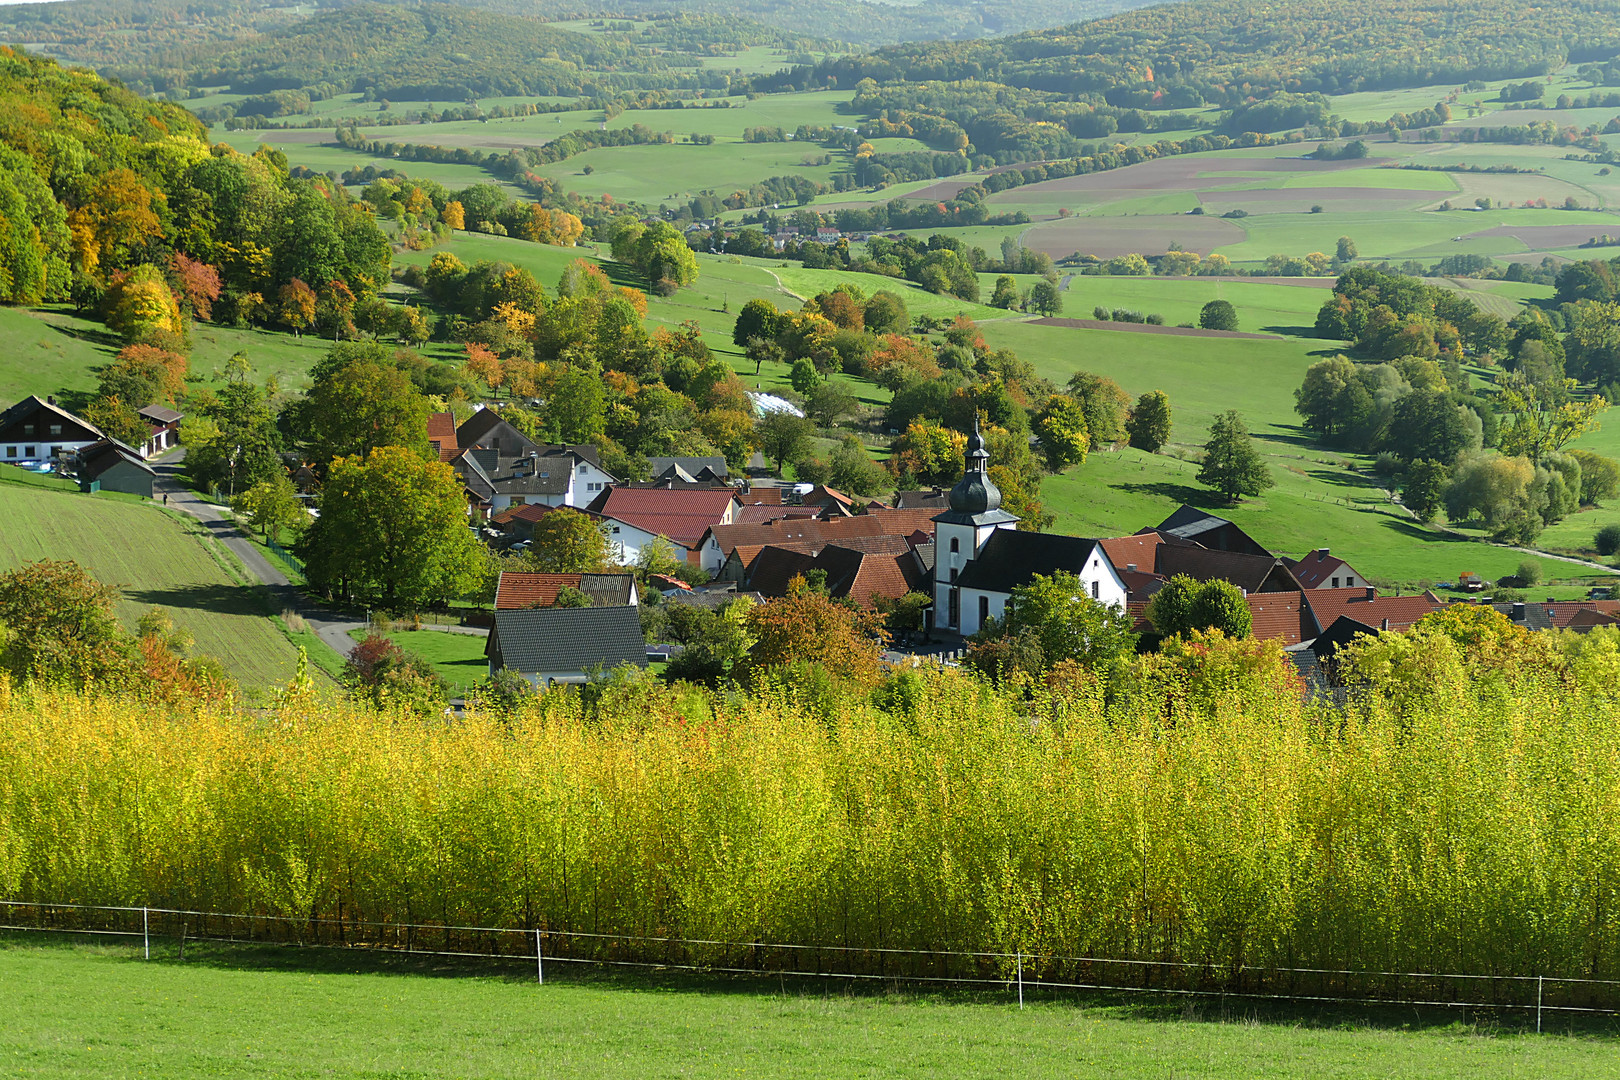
(1280, 616)
(820, 533)
(530, 512)
(684, 516)
(762, 496)
(441, 432)
(518, 589)
(1401, 611)
(763, 514)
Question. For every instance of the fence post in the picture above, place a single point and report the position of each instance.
(1020, 978)
(146, 935)
(539, 960)
(1538, 1004)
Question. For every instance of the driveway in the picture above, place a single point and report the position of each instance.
(172, 492)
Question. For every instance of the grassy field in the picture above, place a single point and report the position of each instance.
(358, 1016)
(457, 658)
(152, 558)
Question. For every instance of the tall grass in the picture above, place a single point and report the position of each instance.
(1476, 834)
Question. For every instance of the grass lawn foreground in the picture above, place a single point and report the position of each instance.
(75, 1009)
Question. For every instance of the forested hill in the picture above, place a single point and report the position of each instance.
(103, 193)
(147, 40)
(1225, 51)
(443, 52)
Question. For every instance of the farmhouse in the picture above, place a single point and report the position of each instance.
(563, 645)
(42, 431)
(502, 467)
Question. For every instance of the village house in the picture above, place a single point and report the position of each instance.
(501, 467)
(1320, 569)
(517, 589)
(41, 431)
(680, 517)
(164, 424)
(547, 645)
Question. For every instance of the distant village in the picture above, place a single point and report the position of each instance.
(752, 535)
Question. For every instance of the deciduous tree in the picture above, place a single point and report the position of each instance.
(1232, 465)
(392, 527)
(1148, 426)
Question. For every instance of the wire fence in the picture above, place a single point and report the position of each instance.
(1015, 973)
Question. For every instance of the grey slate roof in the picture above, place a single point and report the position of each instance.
(98, 457)
(567, 640)
(1011, 558)
(161, 414)
(692, 466)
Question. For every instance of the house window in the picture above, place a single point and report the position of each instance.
(1096, 590)
(28, 451)
(1335, 583)
(519, 500)
(28, 429)
(56, 430)
(1350, 582)
(984, 609)
(11, 451)
(615, 530)
(582, 470)
(956, 545)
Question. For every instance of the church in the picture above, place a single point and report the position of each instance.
(980, 557)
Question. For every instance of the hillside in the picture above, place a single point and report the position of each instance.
(1224, 51)
(440, 51)
(153, 559)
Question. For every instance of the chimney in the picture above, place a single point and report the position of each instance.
(1518, 613)
(1321, 554)
(1384, 625)
(1130, 568)
(50, 399)
(1372, 593)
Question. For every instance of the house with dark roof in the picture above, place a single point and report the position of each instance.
(980, 557)
(637, 517)
(164, 426)
(109, 465)
(691, 470)
(1210, 531)
(1321, 569)
(563, 645)
(502, 467)
(40, 430)
(519, 589)
(1251, 573)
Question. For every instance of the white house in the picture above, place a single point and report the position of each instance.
(42, 431)
(980, 557)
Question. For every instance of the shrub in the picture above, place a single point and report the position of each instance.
(1607, 540)
(1529, 572)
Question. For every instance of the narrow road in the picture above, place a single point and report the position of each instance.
(330, 628)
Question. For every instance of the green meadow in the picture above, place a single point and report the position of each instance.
(154, 559)
(96, 1009)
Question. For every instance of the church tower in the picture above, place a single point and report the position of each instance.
(960, 532)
